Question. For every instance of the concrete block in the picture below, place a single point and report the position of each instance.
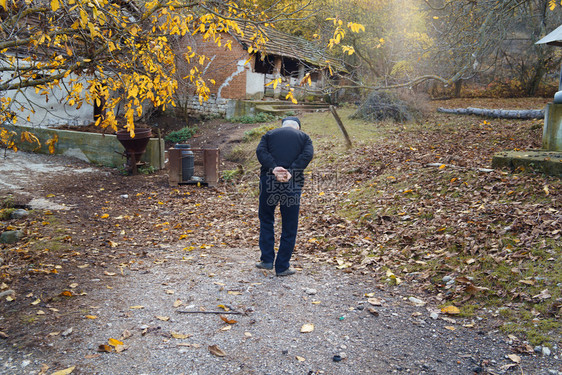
(548, 162)
(91, 147)
(552, 131)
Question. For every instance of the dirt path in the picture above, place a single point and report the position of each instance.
(133, 294)
(266, 339)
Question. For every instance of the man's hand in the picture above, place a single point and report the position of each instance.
(281, 174)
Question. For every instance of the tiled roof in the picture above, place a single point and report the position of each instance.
(286, 45)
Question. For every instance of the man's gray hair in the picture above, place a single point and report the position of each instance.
(291, 123)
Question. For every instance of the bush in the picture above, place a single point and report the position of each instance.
(257, 132)
(181, 135)
(260, 117)
(381, 105)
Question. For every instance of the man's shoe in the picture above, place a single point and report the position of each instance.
(287, 272)
(264, 266)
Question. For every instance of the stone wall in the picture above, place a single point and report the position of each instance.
(213, 107)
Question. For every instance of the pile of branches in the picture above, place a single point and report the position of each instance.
(382, 105)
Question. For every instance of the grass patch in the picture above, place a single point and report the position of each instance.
(255, 119)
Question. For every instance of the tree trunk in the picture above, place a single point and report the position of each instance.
(496, 113)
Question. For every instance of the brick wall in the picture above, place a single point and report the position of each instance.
(222, 65)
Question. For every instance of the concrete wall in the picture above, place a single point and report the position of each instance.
(552, 131)
(91, 147)
(51, 110)
(255, 83)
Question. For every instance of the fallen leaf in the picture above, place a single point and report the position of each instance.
(450, 328)
(114, 342)
(451, 310)
(224, 307)
(226, 320)
(300, 359)
(67, 293)
(375, 301)
(306, 328)
(136, 307)
(36, 302)
(91, 317)
(169, 291)
(105, 348)
(64, 372)
(163, 318)
(73, 285)
(179, 335)
(215, 350)
(40, 312)
(109, 273)
(3, 335)
(234, 293)
(126, 334)
(545, 294)
(226, 328)
(373, 311)
(514, 357)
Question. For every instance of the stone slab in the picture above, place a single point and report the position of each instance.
(548, 162)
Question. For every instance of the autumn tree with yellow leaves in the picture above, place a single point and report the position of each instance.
(115, 55)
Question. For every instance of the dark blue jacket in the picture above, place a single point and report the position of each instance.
(288, 148)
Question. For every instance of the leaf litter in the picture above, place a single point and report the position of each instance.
(389, 211)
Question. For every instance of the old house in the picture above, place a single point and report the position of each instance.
(241, 74)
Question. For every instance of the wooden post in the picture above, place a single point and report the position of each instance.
(211, 166)
(340, 125)
(174, 171)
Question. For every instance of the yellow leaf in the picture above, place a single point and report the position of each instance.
(36, 302)
(224, 307)
(451, 310)
(300, 359)
(55, 5)
(307, 328)
(3, 4)
(64, 372)
(50, 195)
(442, 166)
(104, 216)
(91, 317)
(114, 342)
(179, 335)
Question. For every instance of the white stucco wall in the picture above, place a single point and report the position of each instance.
(255, 83)
(47, 111)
